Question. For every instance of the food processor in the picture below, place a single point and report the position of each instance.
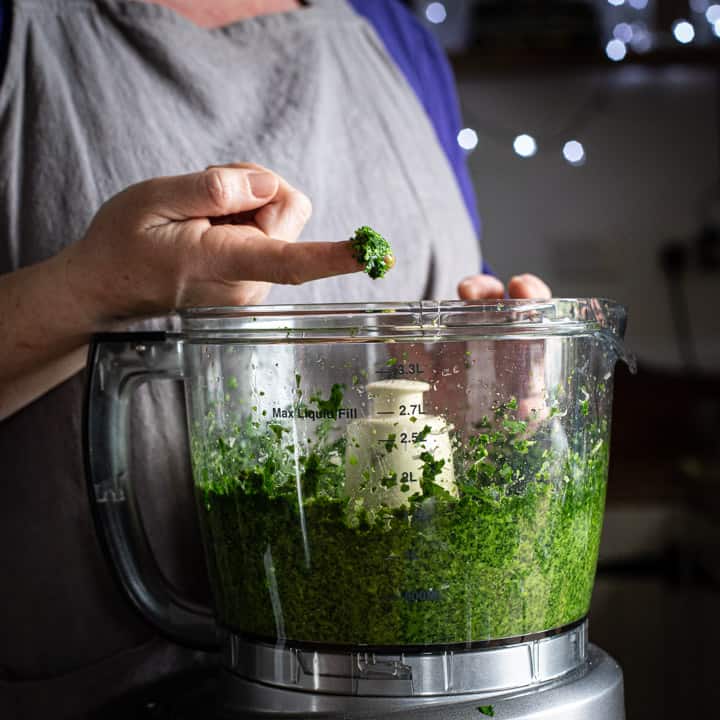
(401, 504)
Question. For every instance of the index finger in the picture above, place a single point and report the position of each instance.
(306, 261)
(238, 255)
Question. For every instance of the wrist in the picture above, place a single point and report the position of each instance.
(88, 305)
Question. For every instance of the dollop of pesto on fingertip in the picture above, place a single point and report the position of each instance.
(373, 251)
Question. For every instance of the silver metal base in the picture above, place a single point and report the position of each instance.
(593, 691)
(411, 673)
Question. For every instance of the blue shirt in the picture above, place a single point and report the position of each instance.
(419, 57)
(426, 68)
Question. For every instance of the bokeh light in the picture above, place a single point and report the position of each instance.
(525, 145)
(683, 31)
(641, 37)
(436, 13)
(712, 14)
(616, 50)
(467, 139)
(574, 152)
(623, 32)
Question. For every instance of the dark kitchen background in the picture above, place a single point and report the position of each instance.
(593, 138)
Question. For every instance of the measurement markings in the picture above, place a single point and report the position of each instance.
(401, 369)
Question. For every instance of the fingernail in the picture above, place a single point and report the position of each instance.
(262, 184)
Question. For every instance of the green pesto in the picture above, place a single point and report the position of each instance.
(373, 251)
(514, 554)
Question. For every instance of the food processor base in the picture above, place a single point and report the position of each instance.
(593, 692)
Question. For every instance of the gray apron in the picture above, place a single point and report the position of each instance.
(99, 95)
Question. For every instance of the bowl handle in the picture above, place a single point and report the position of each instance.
(118, 363)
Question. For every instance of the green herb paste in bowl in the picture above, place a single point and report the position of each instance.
(513, 554)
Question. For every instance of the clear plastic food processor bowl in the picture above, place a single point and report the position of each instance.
(399, 478)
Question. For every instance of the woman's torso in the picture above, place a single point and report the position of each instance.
(96, 96)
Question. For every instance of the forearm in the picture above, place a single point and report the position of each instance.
(44, 331)
(150, 249)
(30, 386)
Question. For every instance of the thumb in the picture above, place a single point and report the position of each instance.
(213, 192)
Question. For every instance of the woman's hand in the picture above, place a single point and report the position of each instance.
(216, 237)
(488, 287)
(528, 384)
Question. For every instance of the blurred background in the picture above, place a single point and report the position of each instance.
(592, 129)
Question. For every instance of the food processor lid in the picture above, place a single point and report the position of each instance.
(424, 321)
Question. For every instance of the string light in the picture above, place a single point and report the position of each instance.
(467, 139)
(683, 31)
(641, 38)
(712, 14)
(616, 3)
(525, 145)
(574, 152)
(436, 13)
(623, 32)
(616, 50)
